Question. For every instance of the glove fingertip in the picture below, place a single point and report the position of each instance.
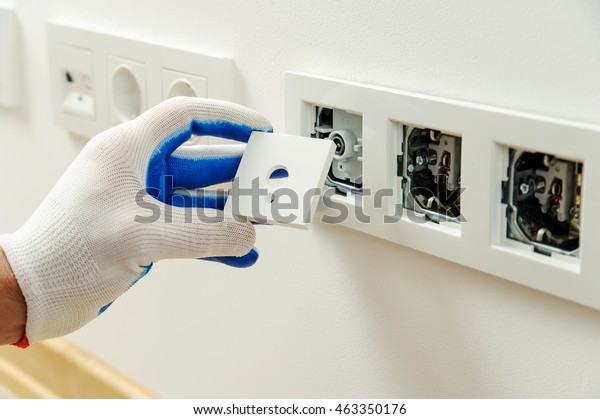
(245, 261)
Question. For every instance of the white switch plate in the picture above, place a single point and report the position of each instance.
(10, 82)
(288, 201)
(486, 134)
(211, 76)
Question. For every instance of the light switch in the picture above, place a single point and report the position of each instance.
(9, 59)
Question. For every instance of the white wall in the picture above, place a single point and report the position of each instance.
(332, 313)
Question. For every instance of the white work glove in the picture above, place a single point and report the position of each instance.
(109, 217)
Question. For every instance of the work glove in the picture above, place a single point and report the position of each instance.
(127, 201)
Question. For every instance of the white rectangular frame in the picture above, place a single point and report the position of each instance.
(218, 71)
(485, 130)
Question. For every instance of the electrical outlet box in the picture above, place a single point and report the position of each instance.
(429, 167)
(543, 197)
(503, 192)
(344, 129)
(99, 79)
(10, 82)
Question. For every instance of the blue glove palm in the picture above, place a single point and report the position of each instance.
(177, 172)
(91, 236)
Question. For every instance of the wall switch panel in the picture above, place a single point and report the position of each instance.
(10, 83)
(504, 192)
(288, 172)
(99, 80)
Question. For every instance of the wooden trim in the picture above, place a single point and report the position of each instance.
(59, 369)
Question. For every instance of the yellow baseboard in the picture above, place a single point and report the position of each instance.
(59, 369)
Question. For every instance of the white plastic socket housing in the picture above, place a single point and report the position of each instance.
(127, 80)
(77, 89)
(99, 80)
(479, 239)
(10, 82)
(176, 83)
(290, 200)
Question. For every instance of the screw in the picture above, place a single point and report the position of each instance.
(420, 160)
(524, 188)
(575, 212)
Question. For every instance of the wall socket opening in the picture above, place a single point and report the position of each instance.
(429, 172)
(344, 128)
(543, 198)
(126, 94)
(76, 77)
(78, 94)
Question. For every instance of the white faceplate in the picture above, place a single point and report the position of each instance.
(486, 134)
(124, 77)
(287, 201)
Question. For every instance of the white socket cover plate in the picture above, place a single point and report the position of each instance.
(212, 73)
(9, 58)
(487, 133)
(128, 100)
(295, 198)
(78, 93)
(170, 79)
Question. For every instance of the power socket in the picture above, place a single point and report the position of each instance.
(77, 82)
(99, 79)
(499, 191)
(176, 83)
(429, 168)
(344, 129)
(543, 197)
(127, 81)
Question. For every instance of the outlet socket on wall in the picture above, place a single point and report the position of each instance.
(126, 77)
(437, 147)
(127, 88)
(176, 83)
(77, 81)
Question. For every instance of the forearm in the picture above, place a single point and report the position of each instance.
(13, 311)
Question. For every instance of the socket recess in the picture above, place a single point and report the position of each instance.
(543, 197)
(126, 76)
(456, 201)
(77, 86)
(344, 129)
(127, 89)
(176, 83)
(429, 168)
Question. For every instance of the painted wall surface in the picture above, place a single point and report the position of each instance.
(330, 312)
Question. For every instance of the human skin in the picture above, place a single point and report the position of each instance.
(13, 310)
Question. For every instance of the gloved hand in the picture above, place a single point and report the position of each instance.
(110, 215)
